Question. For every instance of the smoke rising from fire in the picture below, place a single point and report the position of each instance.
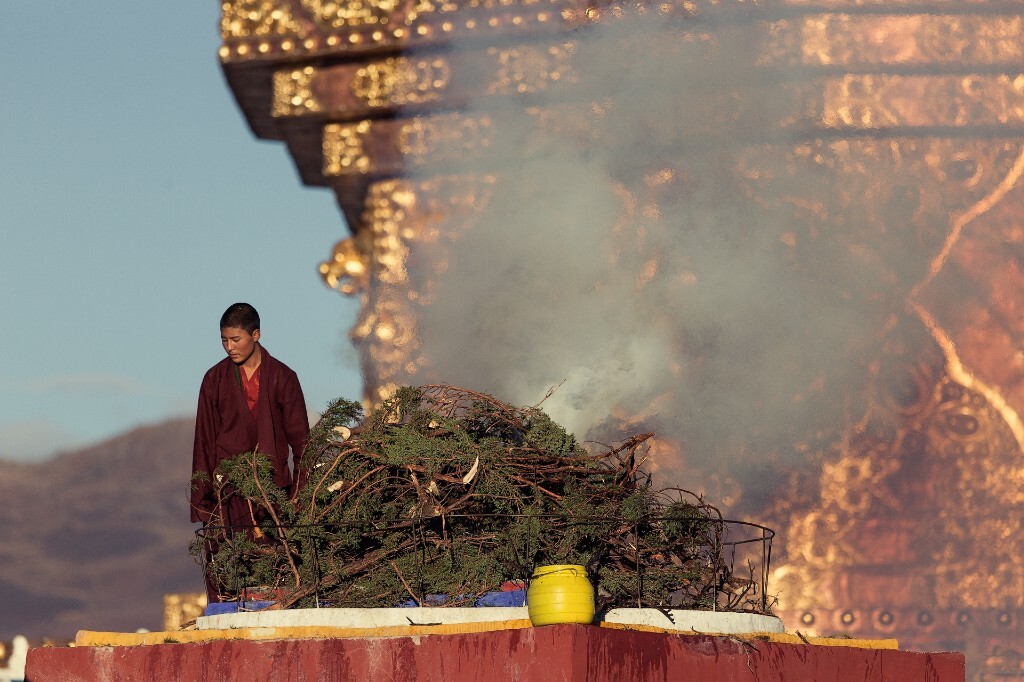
(630, 258)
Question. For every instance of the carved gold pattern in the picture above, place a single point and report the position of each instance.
(293, 95)
(922, 494)
(957, 450)
(343, 148)
(1003, 664)
(530, 69)
(395, 82)
(256, 18)
(832, 37)
(877, 101)
(400, 214)
(387, 207)
(339, 14)
(360, 25)
(897, 40)
(418, 141)
(398, 81)
(450, 135)
(855, 101)
(954, 365)
(342, 13)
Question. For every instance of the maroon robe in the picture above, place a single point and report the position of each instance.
(225, 427)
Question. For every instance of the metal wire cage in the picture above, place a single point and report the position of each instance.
(655, 562)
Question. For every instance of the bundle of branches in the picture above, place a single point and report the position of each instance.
(443, 494)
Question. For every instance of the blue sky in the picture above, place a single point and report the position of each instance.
(135, 205)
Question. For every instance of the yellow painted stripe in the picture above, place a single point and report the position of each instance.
(777, 637)
(89, 638)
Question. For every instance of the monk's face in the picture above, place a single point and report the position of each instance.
(238, 343)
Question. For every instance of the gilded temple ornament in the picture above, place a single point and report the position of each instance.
(348, 268)
(256, 18)
(293, 94)
(529, 69)
(399, 81)
(902, 151)
(339, 14)
(343, 150)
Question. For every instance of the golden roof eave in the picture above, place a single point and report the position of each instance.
(301, 68)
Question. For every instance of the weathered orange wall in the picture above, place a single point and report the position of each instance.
(558, 652)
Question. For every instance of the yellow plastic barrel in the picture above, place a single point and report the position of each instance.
(560, 594)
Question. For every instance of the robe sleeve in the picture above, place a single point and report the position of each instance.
(204, 453)
(296, 427)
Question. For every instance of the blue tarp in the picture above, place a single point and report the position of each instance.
(502, 598)
(235, 607)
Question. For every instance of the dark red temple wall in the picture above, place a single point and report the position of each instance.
(562, 652)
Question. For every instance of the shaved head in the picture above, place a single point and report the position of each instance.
(242, 316)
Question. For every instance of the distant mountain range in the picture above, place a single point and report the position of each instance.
(93, 539)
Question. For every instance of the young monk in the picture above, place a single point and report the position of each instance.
(249, 401)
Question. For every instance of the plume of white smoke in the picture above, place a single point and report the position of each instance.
(632, 265)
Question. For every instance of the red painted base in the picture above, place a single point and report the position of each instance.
(556, 652)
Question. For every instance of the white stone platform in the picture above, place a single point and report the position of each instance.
(360, 618)
(709, 622)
